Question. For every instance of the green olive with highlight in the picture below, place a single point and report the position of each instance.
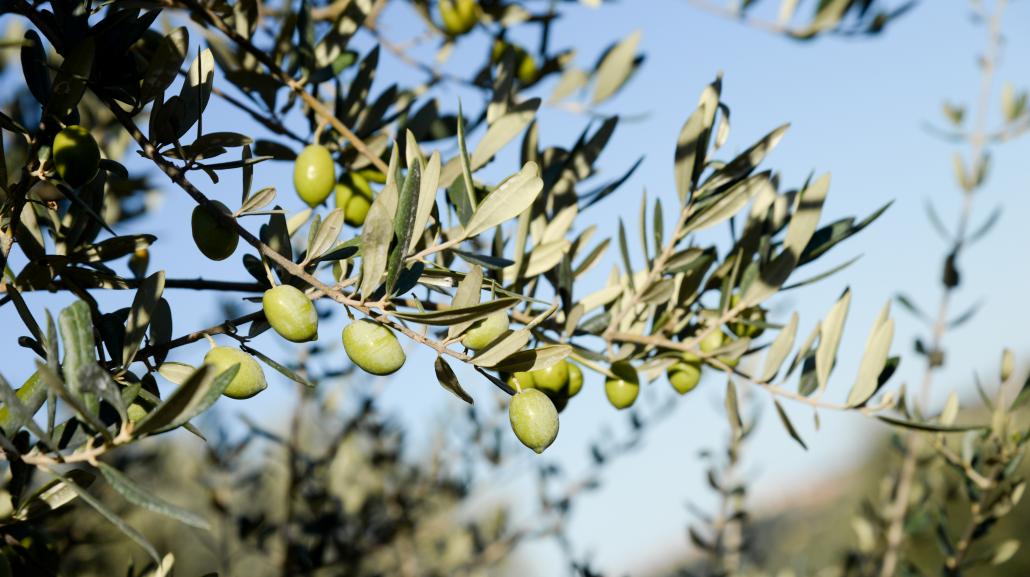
(554, 380)
(622, 389)
(534, 419)
(314, 174)
(214, 240)
(249, 380)
(76, 155)
(484, 331)
(291, 313)
(458, 16)
(373, 347)
(684, 375)
(575, 379)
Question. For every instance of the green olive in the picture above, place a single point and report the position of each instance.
(290, 313)
(249, 381)
(135, 412)
(373, 347)
(354, 197)
(575, 379)
(527, 72)
(76, 155)
(372, 175)
(534, 419)
(524, 380)
(713, 340)
(622, 390)
(314, 174)
(214, 240)
(684, 375)
(458, 16)
(485, 331)
(554, 380)
(751, 314)
(356, 211)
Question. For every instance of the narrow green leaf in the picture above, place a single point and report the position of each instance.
(143, 305)
(830, 332)
(448, 380)
(113, 518)
(454, 316)
(136, 495)
(510, 199)
(70, 82)
(788, 425)
(616, 68)
(779, 350)
(426, 198)
(76, 324)
(534, 359)
(53, 494)
(467, 294)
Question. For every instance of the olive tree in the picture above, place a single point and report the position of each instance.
(407, 237)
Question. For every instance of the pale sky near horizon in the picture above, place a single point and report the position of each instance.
(857, 109)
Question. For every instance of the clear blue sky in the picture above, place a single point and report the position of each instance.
(856, 108)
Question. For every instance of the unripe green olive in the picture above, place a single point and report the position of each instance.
(485, 331)
(622, 390)
(713, 340)
(373, 347)
(575, 379)
(753, 314)
(527, 72)
(249, 380)
(524, 379)
(314, 174)
(458, 16)
(372, 175)
(534, 419)
(554, 380)
(354, 197)
(76, 155)
(214, 240)
(46, 191)
(684, 375)
(290, 313)
(356, 210)
(135, 412)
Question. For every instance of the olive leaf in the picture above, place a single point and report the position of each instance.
(616, 68)
(426, 198)
(111, 248)
(76, 324)
(193, 397)
(136, 495)
(326, 235)
(502, 131)
(779, 349)
(874, 359)
(534, 359)
(453, 316)
(70, 82)
(830, 331)
(35, 68)
(143, 306)
(165, 64)
(112, 517)
(468, 294)
(53, 494)
(375, 245)
(448, 380)
(510, 199)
